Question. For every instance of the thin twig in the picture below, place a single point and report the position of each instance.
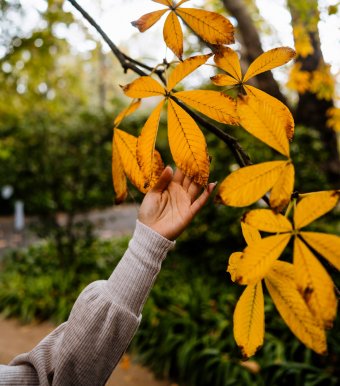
(126, 62)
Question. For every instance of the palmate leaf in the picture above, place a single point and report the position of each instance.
(249, 320)
(228, 60)
(126, 112)
(185, 68)
(118, 175)
(146, 147)
(267, 220)
(278, 109)
(187, 144)
(280, 282)
(259, 117)
(210, 26)
(173, 35)
(143, 87)
(283, 188)
(258, 258)
(248, 184)
(224, 80)
(313, 206)
(268, 60)
(326, 244)
(148, 20)
(213, 104)
(314, 283)
(250, 233)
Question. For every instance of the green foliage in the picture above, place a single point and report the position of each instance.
(35, 284)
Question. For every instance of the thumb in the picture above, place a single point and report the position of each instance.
(164, 180)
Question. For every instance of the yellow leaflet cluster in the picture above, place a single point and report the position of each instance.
(209, 26)
(303, 292)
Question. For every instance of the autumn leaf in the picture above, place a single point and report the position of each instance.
(260, 119)
(148, 20)
(213, 104)
(250, 233)
(127, 145)
(185, 68)
(282, 190)
(327, 245)
(146, 147)
(233, 262)
(187, 144)
(210, 26)
(314, 205)
(249, 320)
(228, 60)
(173, 35)
(258, 258)
(267, 220)
(315, 284)
(118, 175)
(248, 184)
(280, 282)
(143, 87)
(268, 60)
(126, 112)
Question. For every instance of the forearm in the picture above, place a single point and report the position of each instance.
(85, 349)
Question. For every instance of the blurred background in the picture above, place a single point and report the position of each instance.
(59, 228)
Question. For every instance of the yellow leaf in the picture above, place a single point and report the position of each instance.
(315, 284)
(210, 26)
(187, 144)
(146, 144)
(313, 206)
(249, 320)
(248, 184)
(213, 104)
(173, 35)
(118, 176)
(184, 68)
(127, 111)
(143, 87)
(327, 245)
(267, 220)
(277, 107)
(233, 262)
(269, 60)
(168, 3)
(224, 80)
(227, 59)
(250, 234)
(259, 117)
(283, 188)
(127, 146)
(258, 258)
(148, 20)
(282, 288)
(181, 2)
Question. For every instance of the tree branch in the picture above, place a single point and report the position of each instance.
(127, 63)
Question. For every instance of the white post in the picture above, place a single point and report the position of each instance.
(19, 216)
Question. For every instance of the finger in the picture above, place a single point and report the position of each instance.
(203, 198)
(193, 191)
(178, 176)
(186, 183)
(164, 180)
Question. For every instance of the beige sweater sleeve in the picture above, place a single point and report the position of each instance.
(85, 349)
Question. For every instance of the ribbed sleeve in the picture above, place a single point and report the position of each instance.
(85, 349)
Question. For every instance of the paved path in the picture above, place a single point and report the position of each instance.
(116, 221)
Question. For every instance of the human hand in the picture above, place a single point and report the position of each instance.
(172, 203)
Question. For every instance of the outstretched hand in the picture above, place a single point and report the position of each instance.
(172, 203)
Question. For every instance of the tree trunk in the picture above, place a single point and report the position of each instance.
(252, 43)
(312, 111)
